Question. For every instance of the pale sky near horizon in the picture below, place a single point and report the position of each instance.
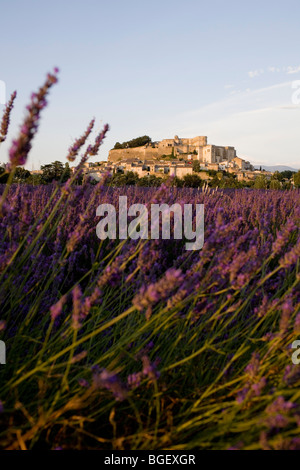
(161, 68)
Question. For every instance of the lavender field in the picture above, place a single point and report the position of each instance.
(141, 344)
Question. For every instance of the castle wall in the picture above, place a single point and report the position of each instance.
(142, 153)
(206, 153)
(120, 154)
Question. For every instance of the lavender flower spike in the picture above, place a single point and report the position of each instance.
(93, 150)
(22, 145)
(74, 149)
(112, 382)
(6, 117)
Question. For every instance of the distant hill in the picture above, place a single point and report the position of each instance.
(275, 168)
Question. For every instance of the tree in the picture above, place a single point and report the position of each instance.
(287, 185)
(261, 182)
(34, 179)
(215, 182)
(21, 175)
(137, 142)
(230, 182)
(177, 182)
(131, 178)
(121, 179)
(277, 176)
(3, 175)
(55, 171)
(196, 166)
(287, 174)
(192, 181)
(297, 179)
(150, 180)
(275, 184)
(118, 146)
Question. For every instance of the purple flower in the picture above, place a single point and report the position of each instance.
(6, 117)
(150, 369)
(277, 413)
(149, 296)
(92, 150)
(56, 309)
(83, 383)
(111, 382)
(77, 306)
(287, 309)
(259, 386)
(291, 257)
(241, 396)
(134, 380)
(22, 145)
(74, 149)
(253, 366)
(297, 324)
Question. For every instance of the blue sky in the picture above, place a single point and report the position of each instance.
(161, 68)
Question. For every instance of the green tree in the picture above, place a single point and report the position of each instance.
(287, 185)
(287, 174)
(121, 179)
(215, 182)
(275, 184)
(177, 182)
(21, 175)
(261, 182)
(118, 146)
(297, 179)
(192, 181)
(131, 178)
(277, 176)
(150, 180)
(230, 182)
(55, 171)
(196, 166)
(137, 142)
(34, 179)
(3, 175)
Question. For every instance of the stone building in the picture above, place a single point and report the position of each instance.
(216, 154)
(182, 171)
(186, 148)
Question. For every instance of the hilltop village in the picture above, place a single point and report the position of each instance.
(192, 162)
(174, 157)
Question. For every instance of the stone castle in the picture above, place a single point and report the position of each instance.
(195, 148)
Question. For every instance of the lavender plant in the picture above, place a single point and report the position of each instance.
(5, 121)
